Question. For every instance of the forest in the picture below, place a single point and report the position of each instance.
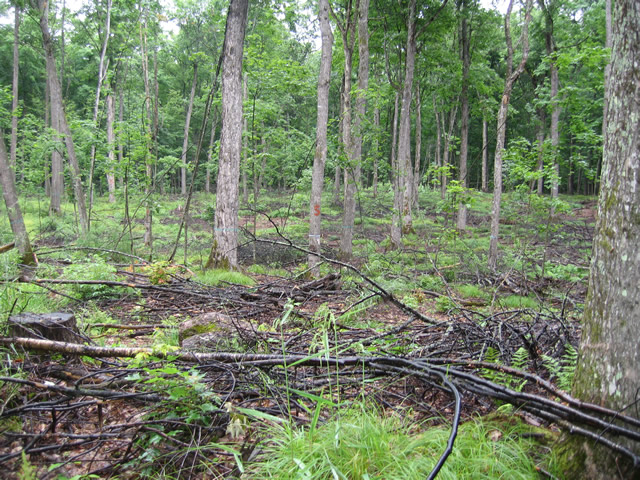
(332, 239)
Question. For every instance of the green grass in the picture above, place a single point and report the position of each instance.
(470, 291)
(518, 301)
(216, 277)
(365, 444)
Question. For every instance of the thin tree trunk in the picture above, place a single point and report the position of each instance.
(245, 145)
(148, 217)
(224, 250)
(396, 218)
(453, 114)
(510, 78)
(185, 140)
(320, 157)
(354, 169)
(111, 146)
(438, 140)
(60, 120)
(376, 149)
(102, 73)
(347, 29)
(540, 139)
(21, 238)
(418, 141)
(214, 126)
(464, 114)
(14, 91)
(485, 156)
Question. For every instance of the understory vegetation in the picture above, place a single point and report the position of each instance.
(160, 415)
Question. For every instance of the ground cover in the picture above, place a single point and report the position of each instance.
(376, 335)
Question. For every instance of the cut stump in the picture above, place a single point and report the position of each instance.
(61, 327)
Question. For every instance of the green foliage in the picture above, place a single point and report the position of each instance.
(216, 277)
(519, 301)
(563, 370)
(96, 269)
(27, 470)
(519, 361)
(445, 304)
(362, 443)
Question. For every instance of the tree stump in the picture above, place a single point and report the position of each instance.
(49, 326)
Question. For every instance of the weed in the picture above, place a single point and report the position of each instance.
(215, 277)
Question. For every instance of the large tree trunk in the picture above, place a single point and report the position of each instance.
(607, 372)
(511, 77)
(14, 91)
(224, 250)
(320, 157)
(14, 212)
(464, 114)
(60, 120)
(185, 140)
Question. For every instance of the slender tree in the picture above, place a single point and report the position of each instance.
(320, 157)
(224, 250)
(14, 90)
(58, 116)
(20, 235)
(607, 372)
(465, 54)
(510, 78)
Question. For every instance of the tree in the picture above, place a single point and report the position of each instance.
(14, 102)
(58, 116)
(511, 76)
(27, 257)
(320, 157)
(465, 33)
(224, 250)
(607, 372)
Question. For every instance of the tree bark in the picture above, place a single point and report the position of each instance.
(60, 120)
(511, 77)
(14, 212)
(464, 113)
(14, 91)
(485, 156)
(607, 372)
(148, 217)
(376, 149)
(185, 140)
(417, 160)
(111, 146)
(396, 218)
(347, 30)
(320, 157)
(224, 250)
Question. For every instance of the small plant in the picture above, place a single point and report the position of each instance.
(519, 361)
(94, 269)
(562, 370)
(444, 304)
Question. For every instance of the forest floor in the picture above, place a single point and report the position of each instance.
(398, 332)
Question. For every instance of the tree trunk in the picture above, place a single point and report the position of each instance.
(347, 29)
(320, 157)
(540, 139)
(111, 146)
(418, 140)
(14, 212)
(404, 130)
(185, 140)
(511, 77)
(396, 219)
(148, 217)
(448, 135)
(376, 149)
(438, 142)
(14, 91)
(214, 126)
(224, 250)
(245, 144)
(464, 114)
(354, 169)
(607, 372)
(60, 117)
(485, 156)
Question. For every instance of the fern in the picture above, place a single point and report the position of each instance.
(519, 361)
(563, 370)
